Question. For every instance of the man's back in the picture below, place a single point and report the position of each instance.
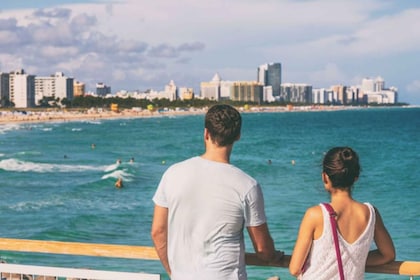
(208, 205)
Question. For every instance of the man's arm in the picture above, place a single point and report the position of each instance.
(264, 244)
(159, 235)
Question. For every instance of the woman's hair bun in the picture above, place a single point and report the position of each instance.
(346, 154)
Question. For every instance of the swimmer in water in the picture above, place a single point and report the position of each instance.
(119, 183)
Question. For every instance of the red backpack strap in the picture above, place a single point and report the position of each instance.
(333, 222)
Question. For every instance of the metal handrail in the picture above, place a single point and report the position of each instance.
(407, 268)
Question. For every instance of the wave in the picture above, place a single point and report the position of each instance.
(27, 166)
(8, 127)
(123, 174)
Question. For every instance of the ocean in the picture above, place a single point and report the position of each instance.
(57, 178)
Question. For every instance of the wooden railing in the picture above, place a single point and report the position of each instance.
(407, 268)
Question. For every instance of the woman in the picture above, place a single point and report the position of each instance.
(358, 224)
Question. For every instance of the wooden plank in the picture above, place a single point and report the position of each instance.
(408, 268)
(76, 248)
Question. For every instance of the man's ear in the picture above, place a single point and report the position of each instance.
(239, 137)
(207, 135)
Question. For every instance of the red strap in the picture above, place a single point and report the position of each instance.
(335, 235)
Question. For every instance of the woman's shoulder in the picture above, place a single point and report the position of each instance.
(314, 212)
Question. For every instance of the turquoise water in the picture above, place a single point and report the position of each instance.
(56, 186)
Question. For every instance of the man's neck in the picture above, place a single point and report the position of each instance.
(218, 154)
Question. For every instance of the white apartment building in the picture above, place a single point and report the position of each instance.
(374, 91)
(56, 86)
(22, 89)
(211, 90)
(296, 93)
(171, 91)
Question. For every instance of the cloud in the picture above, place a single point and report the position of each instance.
(139, 43)
(52, 13)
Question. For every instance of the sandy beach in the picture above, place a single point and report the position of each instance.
(63, 115)
(29, 116)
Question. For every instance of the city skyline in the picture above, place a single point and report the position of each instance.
(135, 45)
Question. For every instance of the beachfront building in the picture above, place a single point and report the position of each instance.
(322, 96)
(56, 86)
(226, 90)
(171, 91)
(22, 89)
(4, 89)
(186, 93)
(247, 91)
(340, 94)
(102, 89)
(78, 88)
(268, 94)
(374, 91)
(296, 93)
(269, 75)
(354, 96)
(211, 90)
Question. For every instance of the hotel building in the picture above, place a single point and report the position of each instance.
(22, 89)
(57, 86)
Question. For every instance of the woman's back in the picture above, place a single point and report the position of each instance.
(354, 246)
(314, 255)
(352, 219)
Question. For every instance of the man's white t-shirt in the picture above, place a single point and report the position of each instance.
(209, 204)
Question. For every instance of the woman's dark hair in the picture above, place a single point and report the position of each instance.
(223, 123)
(341, 164)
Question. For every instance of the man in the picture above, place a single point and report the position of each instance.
(202, 206)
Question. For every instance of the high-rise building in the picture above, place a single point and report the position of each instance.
(211, 90)
(171, 90)
(296, 93)
(102, 89)
(56, 86)
(186, 93)
(368, 85)
(22, 89)
(270, 75)
(340, 92)
(247, 91)
(4, 89)
(78, 88)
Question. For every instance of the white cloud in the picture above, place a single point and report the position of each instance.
(141, 44)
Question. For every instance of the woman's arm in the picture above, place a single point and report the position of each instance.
(304, 240)
(385, 251)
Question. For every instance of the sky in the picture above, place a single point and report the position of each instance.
(143, 44)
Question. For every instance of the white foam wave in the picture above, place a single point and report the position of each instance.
(26, 166)
(7, 127)
(112, 167)
(36, 205)
(76, 129)
(93, 122)
(123, 174)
